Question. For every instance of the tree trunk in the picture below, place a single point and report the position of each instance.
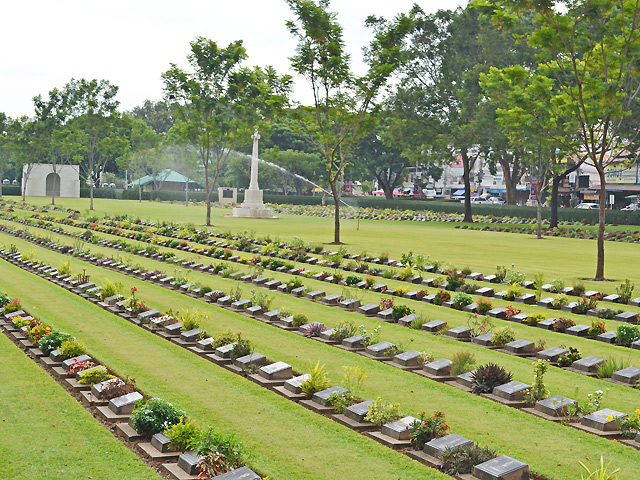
(336, 214)
(1, 175)
(208, 208)
(467, 188)
(539, 211)
(510, 178)
(139, 191)
(186, 193)
(553, 223)
(601, 217)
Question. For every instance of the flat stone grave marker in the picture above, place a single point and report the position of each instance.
(322, 398)
(528, 284)
(251, 359)
(225, 350)
(174, 328)
(314, 295)
(636, 345)
(598, 420)
(298, 292)
(411, 295)
(612, 298)
(241, 304)
(273, 284)
(546, 324)
(459, 333)
(358, 411)
(570, 307)
(567, 290)
(519, 318)
(555, 406)
(578, 330)
(214, 295)
(635, 302)
(407, 319)
(502, 468)
(551, 354)
(226, 300)
(386, 315)
(545, 302)
(485, 292)
(332, 299)
(355, 341)
(439, 368)
(498, 313)
(370, 309)
(429, 298)
(188, 462)
(484, 339)
(512, 391)
(361, 284)
(398, 429)
(520, 347)
(409, 359)
(205, 344)
(350, 304)
(287, 322)
(629, 375)
(434, 325)
(148, 314)
(276, 371)
(161, 442)
(466, 379)
(246, 278)
(327, 334)
(66, 364)
(547, 287)
(438, 446)
(590, 293)
(588, 364)
(293, 384)
(307, 327)
(242, 473)
(630, 317)
(378, 287)
(254, 310)
(272, 315)
(191, 335)
(527, 298)
(379, 349)
(607, 337)
(125, 404)
(18, 313)
(491, 279)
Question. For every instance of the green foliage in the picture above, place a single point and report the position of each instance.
(316, 381)
(486, 377)
(503, 336)
(461, 300)
(155, 416)
(417, 322)
(427, 428)
(299, 319)
(561, 324)
(538, 390)
(599, 473)
(294, 283)
(380, 412)
(72, 348)
(462, 362)
(109, 289)
(95, 375)
(514, 290)
(184, 435)
(455, 280)
(610, 365)
(627, 334)
(340, 401)
(557, 285)
(483, 305)
(190, 319)
(461, 460)
(568, 358)
(353, 379)
(241, 348)
(53, 340)
(230, 449)
(625, 290)
(345, 329)
(400, 311)
(351, 280)
(65, 268)
(225, 337)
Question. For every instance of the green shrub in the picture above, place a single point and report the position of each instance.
(560, 301)
(190, 319)
(503, 336)
(627, 334)
(463, 362)
(568, 358)
(72, 348)
(380, 413)
(53, 340)
(352, 279)
(316, 381)
(461, 300)
(109, 289)
(184, 435)
(344, 330)
(154, 416)
(400, 311)
(224, 338)
(483, 305)
(426, 429)
(610, 365)
(340, 401)
(486, 377)
(299, 319)
(625, 290)
(96, 375)
(461, 460)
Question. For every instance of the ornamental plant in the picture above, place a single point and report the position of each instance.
(241, 348)
(503, 336)
(511, 311)
(380, 412)
(568, 358)
(596, 329)
(538, 390)
(184, 434)
(154, 416)
(462, 362)
(427, 428)
(316, 381)
(461, 300)
(441, 297)
(72, 348)
(11, 306)
(52, 340)
(483, 305)
(344, 330)
(351, 280)
(486, 377)
(627, 334)
(400, 311)
(461, 460)
(455, 280)
(386, 303)
(96, 375)
(586, 304)
(561, 324)
(299, 319)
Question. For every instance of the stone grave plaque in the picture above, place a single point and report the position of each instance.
(588, 364)
(408, 359)
(66, 364)
(528, 284)
(512, 391)
(174, 328)
(485, 292)
(438, 446)
(251, 359)
(635, 302)
(322, 398)
(191, 335)
(527, 298)
(225, 350)
(502, 468)
(570, 307)
(491, 279)
(398, 429)
(378, 349)
(315, 295)
(406, 320)
(545, 302)
(188, 462)
(241, 304)
(254, 310)
(205, 343)
(293, 384)
(429, 298)
(161, 442)
(461, 332)
(125, 404)
(636, 345)
(439, 368)
(242, 473)
(148, 314)
(246, 278)
(551, 354)
(361, 284)
(555, 406)
(520, 347)
(484, 339)
(466, 379)
(598, 420)
(630, 317)
(519, 318)
(276, 371)
(578, 330)
(607, 337)
(272, 315)
(332, 299)
(434, 325)
(358, 411)
(378, 287)
(370, 309)
(350, 304)
(354, 342)
(306, 328)
(327, 334)
(498, 313)
(226, 300)
(471, 308)
(590, 293)
(298, 292)
(612, 298)
(386, 315)
(546, 324)
(273, 284)
(629, 375)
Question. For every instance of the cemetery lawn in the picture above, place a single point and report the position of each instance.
(47, 434)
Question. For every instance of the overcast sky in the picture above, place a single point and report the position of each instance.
(130, 43)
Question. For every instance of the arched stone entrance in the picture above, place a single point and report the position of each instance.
(53, 185)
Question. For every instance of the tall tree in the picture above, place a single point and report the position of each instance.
(341, 101)
(5, 147)
(589, 50)
(219, 102)
(157, 114)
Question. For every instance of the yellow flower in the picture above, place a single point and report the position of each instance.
(638, 411)
(609, 418)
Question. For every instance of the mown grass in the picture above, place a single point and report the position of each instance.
(47, 434)
(511, 432)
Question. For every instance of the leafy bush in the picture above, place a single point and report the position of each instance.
(579, 288)
(426, 429)
(514, 290)
(586, 304)
(461, 460)
(293, 284)
(190, 319)
(299, 319)
(316, 381)
(503, 336)
(441, 297)
(607, 313)
(352, 280)
(627, 334)
(486, 377)
(596, 329)
(11, 306)
(417, 322)
(483, 305)
(340, 401)
(400, 311)
(568, 358)
(52, 340)
(625, 290)
(455, 280)
(534, 319)
(380, 413)
(154, 416)
(344, 330)
(72, 348)
(117, 387)
(109, 289)
(463, 362)
(96, 375)
(184, 434)
(560, 301)
(557, 285)
(610, 365)
(241, 348)
(461, 300)
(224, 338)
(561, 324)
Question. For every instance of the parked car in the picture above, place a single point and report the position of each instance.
(497, 200)
(632, 207)
(480, 200)
(589, 206)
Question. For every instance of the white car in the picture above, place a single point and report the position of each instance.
(632, 207)
(589, 206)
